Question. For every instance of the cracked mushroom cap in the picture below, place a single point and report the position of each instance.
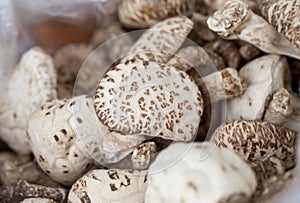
(141, 97)
(257, 140)
(72, 136)
(229, 17)
(142, 14)
(32, 84)
(203, 174)
(108, 186)
(161, 41)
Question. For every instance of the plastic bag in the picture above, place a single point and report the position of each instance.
(17, 18)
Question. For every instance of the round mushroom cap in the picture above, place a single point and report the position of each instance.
(32, 84)
(257, 140)
(107, 186)
(141, 14)
(141, 97)
(204, 173)
(229, 18)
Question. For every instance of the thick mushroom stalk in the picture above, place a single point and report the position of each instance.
(280, 108)
(236, 21)
(284, 15)
(258, 140)
(141, 97)
(32, 84)
(203, 174)
(107, 186)
(265, 76)
(72, 137)
(225, 84)
(145, 13)
(161, 41)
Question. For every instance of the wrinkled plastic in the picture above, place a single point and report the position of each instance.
(16, 17)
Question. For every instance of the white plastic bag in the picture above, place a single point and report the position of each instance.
(16, 17)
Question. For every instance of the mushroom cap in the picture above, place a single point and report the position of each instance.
(141, 97)
(203, 174)
(163, 39)
(226, 20)
(72, 137)
(257, 140)
(32, 84)
(109, 186)
(144, 13)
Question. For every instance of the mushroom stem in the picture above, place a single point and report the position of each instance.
(280, 108)
(236, 21)
(224, 84)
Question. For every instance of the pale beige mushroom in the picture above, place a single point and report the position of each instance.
(108, 186)
(225, 84)
(236, 21)
(32, 84)
(145, 13)
(284, 15)
(258, 140)
(161, 41)
(280, 108)
(265, 75)
(202, 173)
(141, 97)
(38, 200)
(72, 137)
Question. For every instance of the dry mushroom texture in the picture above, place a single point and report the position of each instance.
(284, 15)
(72, 137)
(225, 84)
(143, 13)
(32, 84)
(265, 76)
(145, 98)
(18, 190)
(161, 41)
(280, 108)
(143, 155)
(202, 174)
(257, 140)
(107, 186)
(236, 21)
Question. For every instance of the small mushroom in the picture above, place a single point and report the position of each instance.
(161, 41)
(32, 84)
(284, 15)
(72, 138)
(143, 155)
(107, 186)
(141, 97)
(203, 173)
(248, 52)
(145, 13)
(257, 140)
(280, 108)
(18, 190)
(265, 75)
(228, 50)
(236, 21)
(225, 84)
